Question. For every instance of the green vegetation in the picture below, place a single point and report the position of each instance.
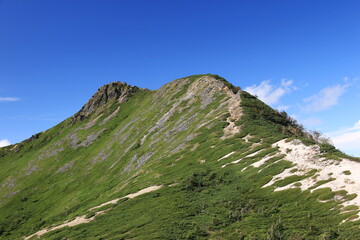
(158, 138)
(321, 182)
(350, 208)
(268, 124)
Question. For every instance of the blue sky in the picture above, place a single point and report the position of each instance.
(301, 56)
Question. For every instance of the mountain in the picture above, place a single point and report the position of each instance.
(196, 159)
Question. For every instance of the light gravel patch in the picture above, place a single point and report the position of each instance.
(307, 158)
(263, 160)
(82, 219)
(255, 153)
(226, 156)
(235, 114)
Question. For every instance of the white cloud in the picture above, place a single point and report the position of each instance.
(357, 124)
(4, 143)
(269, 93)
(282, 107)
(348, 138)
(326, 98)
(294, 116)
(312, 121)
(9, 99)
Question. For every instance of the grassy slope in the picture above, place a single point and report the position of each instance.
(208, 201)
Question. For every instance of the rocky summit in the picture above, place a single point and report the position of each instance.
(196, 159)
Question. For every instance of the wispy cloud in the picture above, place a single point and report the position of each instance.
(9, 99)
(348, 138)
(4, 143)
(282, 107)
(326, 98)
(312, 121)
(269, 93)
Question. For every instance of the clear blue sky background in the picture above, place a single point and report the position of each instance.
(301, 55)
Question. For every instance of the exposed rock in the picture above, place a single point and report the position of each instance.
(128, 166)
(90, 139)
(124, 152)
(110, 116)
(113, 91)
(74, 140)
(124, 137)
(14, 147)
(33, 137)
(143, 159)
(235, 114)
(121, 130)
(9, 183)
(89, 124)
(204, 87)
(139, 161)
(66, 167)
(178, 148)
(180, 126)
(100, 157)
(54, 150)
(31, 168)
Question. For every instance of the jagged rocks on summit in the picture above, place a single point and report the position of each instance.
(113, 91)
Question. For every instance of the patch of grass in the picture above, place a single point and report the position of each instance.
(297, 184)
(321, 182)
(90, 215)
(255, 140)
(350, 208)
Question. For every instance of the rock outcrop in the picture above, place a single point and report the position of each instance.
(119, 91)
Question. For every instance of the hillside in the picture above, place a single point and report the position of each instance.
(196, 159)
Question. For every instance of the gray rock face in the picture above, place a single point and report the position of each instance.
(139, 161)
(31, 168)
(54, 150)
(90, 139)
(66, 167)
(9, 183)
(113, 91)
(102, 155)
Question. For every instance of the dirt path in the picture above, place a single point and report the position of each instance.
(82, 219)
(131, 196)
(235, 114)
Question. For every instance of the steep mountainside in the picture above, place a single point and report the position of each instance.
(196, 159)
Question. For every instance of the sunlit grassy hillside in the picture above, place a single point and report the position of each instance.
(200, 140)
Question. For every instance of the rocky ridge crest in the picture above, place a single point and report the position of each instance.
(119, 91)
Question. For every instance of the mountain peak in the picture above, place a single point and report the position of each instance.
(213, 79)
(115, 91)
(196, 140)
